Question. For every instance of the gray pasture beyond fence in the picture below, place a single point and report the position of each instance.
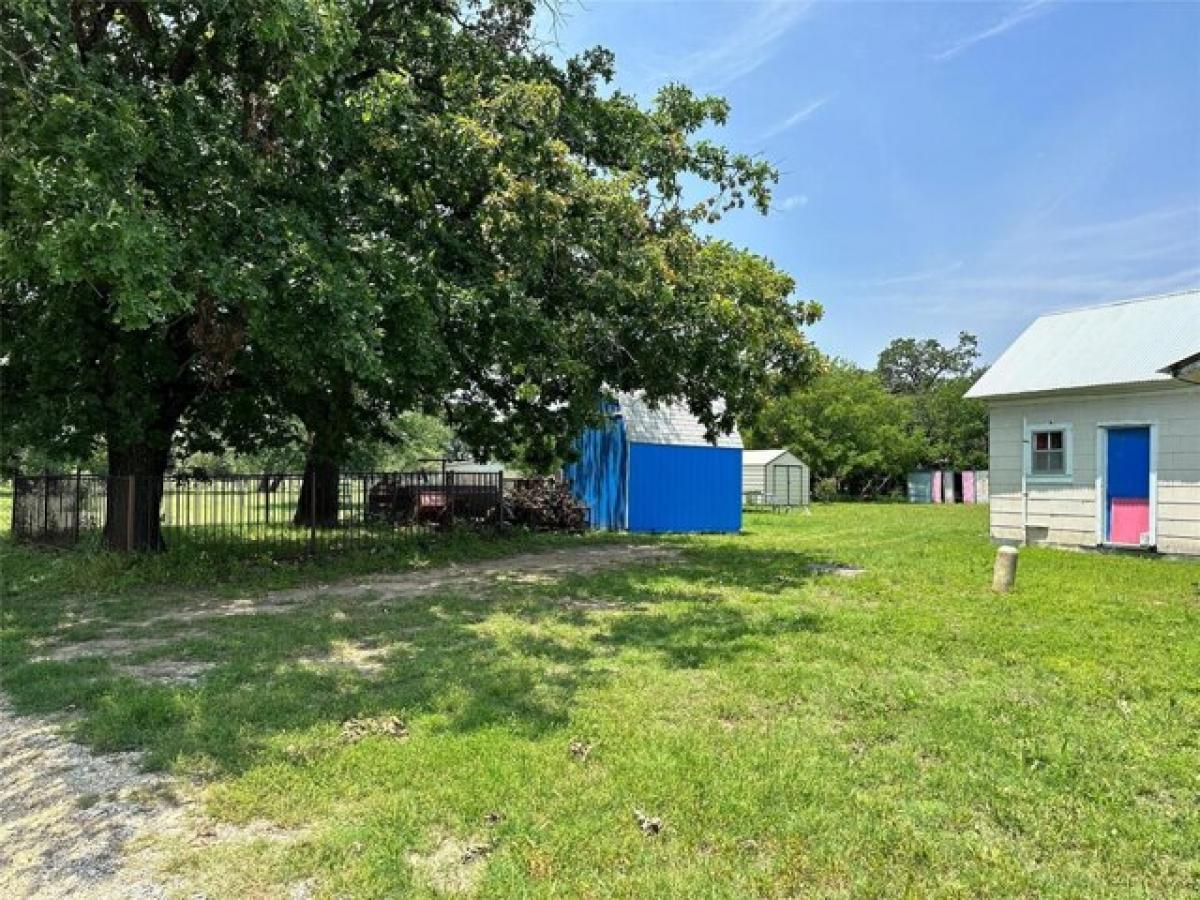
(266, 510)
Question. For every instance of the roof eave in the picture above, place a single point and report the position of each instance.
(1079, 390)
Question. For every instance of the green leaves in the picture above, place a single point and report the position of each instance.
(910, 366)
(846, 426)
(936, 376)
(854, 426)
(222, 218)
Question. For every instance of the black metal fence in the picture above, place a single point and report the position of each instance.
(277, 511)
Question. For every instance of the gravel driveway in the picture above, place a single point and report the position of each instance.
(80, 825)
(72, 822)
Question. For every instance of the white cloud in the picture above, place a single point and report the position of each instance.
(1018, 297)
(1047, 266)
(1021, 14)
(914, 277)
(795, 201)
(802, 114)
(745, 48)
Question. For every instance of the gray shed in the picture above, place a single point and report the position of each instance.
(774, 478)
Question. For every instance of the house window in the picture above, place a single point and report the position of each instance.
(1049, 452)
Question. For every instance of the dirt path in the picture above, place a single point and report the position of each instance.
(70, 820)
(477, 577)
(472, 577)
(74, 824)
(86, 826)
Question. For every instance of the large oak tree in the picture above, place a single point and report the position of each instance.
(224, 218)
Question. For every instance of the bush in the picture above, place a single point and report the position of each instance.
(825, 489)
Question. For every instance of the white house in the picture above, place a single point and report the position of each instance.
(774, 478)
(1095, 427)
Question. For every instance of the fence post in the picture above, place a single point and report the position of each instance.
(500, 501)
(312, 513)
(130, 493)
(78, 504)
(267, 485)
(45, 502)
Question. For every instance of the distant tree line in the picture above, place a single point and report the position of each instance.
(862, 430)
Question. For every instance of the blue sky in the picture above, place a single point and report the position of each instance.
(945, 166)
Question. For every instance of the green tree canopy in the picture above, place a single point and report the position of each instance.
(847, 427)
(936, 376)
(913, 366)
(226, 217)
(954, 429)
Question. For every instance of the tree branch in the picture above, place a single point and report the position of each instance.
(140, 20)
(89, 30)
(188, 52)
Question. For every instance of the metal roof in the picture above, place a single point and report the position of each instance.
(760, 457)
(1126, 343)
(766, 457)
(669, 423)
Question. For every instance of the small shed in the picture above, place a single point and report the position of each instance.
(651, 469)
(1095, 428)
(948, 486)
(920, 486)
(774, 478)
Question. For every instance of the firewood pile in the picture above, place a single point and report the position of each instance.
(543, 504)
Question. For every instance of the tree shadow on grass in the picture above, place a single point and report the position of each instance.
(700, 638)
(439, 658)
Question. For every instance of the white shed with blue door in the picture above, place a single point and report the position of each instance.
(1095, 428)
(651, 469)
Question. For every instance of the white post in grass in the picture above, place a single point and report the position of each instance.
(1004, 573)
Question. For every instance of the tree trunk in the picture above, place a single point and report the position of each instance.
(318, 504)
(143, 405)
(328, 443)
(134, 498)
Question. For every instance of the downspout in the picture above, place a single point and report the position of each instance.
(1025, 457)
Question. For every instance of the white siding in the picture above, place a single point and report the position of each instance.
(773, 478)
(753, 478)
(1068, 513)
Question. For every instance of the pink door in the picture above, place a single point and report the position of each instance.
(937, 487)
(1128, 485)
(968, 490)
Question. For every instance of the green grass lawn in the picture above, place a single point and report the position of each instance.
(905, 732)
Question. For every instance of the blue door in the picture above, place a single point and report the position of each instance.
(1127, 485)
